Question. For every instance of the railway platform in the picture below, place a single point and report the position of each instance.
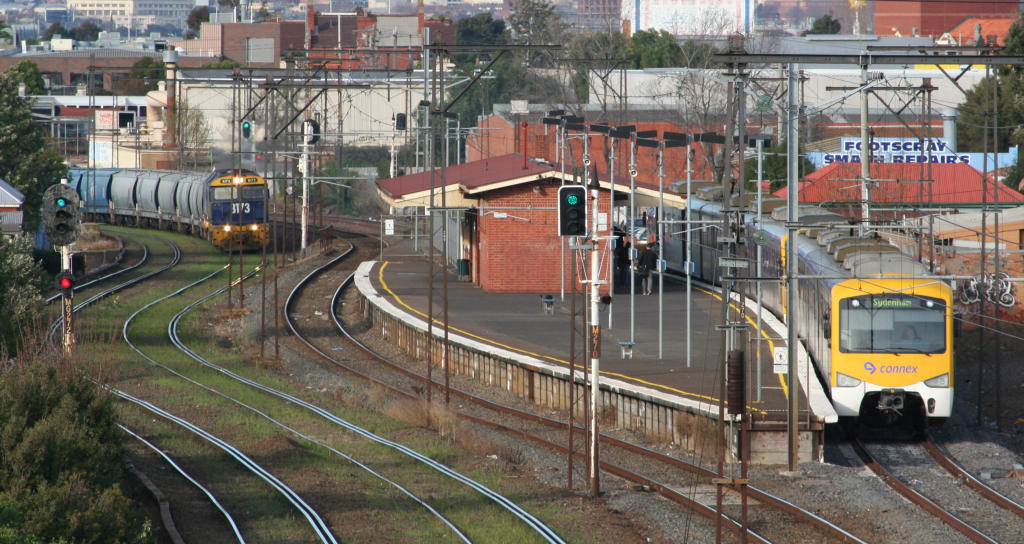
(661, 396)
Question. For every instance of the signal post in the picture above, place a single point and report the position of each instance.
(572, 221)
(62, 225)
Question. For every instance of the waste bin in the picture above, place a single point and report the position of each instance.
(462, 267)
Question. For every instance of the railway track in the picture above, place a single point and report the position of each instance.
(923, 474)
(400, 380)
(541, 529)
(319, 526)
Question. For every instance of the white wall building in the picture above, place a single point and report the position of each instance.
(134, 14)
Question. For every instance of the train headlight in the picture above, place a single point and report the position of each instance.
(938, 381)
(227, 228)
(255, 227)
(842, 380)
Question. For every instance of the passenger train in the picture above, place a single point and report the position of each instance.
(228, 207)
(879, 331)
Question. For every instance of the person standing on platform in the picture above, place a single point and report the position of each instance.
(646, 263)
(622, 262)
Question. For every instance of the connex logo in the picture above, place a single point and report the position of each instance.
(890, 369)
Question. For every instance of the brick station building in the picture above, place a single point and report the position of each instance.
(505, 212)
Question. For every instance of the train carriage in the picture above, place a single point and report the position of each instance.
(122, 194)
(94, 192)
(851, 286)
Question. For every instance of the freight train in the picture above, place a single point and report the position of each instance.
(879, 330)
(228, 207)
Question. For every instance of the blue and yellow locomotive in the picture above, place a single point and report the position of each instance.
(228, 207)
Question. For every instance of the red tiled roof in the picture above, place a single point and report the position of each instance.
(953, 184)
(998, 27)
(470, 175)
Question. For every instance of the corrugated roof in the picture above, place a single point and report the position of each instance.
(9, 196)
(471, 175)
(898, 183)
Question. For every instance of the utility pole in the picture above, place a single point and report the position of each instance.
(595, 342)
(865, 154)
(792, 219)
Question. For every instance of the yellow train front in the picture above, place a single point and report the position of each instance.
(236, 209)
(892, 349)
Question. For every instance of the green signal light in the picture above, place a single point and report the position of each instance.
(572, 200)
(246, 124)
(61, 202)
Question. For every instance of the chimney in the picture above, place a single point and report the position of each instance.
(913, 31)
(949, 126)
(977, 34)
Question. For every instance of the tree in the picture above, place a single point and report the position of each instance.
(774, 167)
(27, 72)
(62, 464)
(824, 25)
(974, 125)
(222, 64)
(535, 22)
(26, 162)
(597, 55)
(147, 72)
(21, 285)
(195, 19)
(193, 136)
(654, 49)
(55, 30)
(164, 30)
(508, 78)
(86, 32)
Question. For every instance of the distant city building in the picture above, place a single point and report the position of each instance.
(924, 18)
(133, 14)
(678, 17)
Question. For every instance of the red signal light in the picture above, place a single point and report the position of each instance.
(65, 283)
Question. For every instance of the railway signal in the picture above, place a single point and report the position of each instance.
(572, 210)
(246, 129)
(61, 220)
(66, 284)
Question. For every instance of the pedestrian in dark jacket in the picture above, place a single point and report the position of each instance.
(646, 264)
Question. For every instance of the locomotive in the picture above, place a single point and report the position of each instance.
(227, 207)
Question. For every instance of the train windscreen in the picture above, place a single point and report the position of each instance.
(892, 323)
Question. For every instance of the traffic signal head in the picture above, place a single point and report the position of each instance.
(400, 121)
(572, 210)
(246, 129)
(61, 221)
(66, 283)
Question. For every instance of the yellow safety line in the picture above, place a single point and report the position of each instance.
(398, 299)
(771, 344)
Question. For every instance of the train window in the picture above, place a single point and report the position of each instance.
(253, 193)
(892, 324)
(222, 193)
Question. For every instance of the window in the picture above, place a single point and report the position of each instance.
(253, 193)
(892, 324)
(222, 193)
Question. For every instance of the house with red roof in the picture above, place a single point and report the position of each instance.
(506, 210)
(903, 189)
(968, 32)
